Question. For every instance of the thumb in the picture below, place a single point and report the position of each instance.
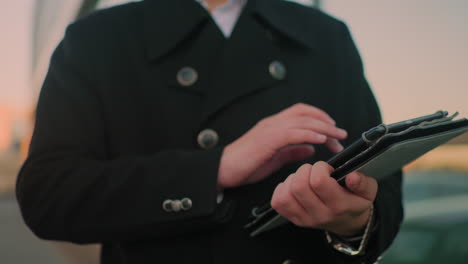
(362, 185)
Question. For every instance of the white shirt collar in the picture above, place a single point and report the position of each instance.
(226, 16)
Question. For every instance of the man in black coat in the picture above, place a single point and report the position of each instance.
(156, 136)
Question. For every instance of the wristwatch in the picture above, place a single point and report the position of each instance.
(350, 246)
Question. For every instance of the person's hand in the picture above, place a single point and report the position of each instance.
(275, 141)
(311, 198)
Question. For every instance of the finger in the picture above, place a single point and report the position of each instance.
(304, 194)
(325, 187)
(301, 109)
(285, 204)
(316, 125)
(362, 185)
(301, 136)
(334, 145)
(284, 156)
(335, 197)
(294, 153)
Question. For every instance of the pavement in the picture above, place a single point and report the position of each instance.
(17, 244)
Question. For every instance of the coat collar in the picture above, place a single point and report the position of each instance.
(169, 22)
(278, 15)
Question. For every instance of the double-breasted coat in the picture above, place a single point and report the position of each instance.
(120, 121)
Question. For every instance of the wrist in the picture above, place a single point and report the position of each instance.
(356, 245)
(356, 226)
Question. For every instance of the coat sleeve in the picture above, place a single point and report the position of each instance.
(361, 112)
(69, 189)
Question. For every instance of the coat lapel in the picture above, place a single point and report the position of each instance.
(188, 38)
(243, 68)
(180, 33)
(167, 23)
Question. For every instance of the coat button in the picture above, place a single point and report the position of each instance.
(277, 70)
(167, 205)
(207, 138)
(187, 76)
(186, 204)
(176, 205)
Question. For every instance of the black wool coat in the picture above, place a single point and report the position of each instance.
(116, 132)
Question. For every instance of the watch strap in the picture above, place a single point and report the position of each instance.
(349, 247)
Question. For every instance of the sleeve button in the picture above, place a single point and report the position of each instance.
(176, 206)
(167, 205)
(186, 204)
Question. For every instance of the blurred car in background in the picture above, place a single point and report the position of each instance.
(435, 229)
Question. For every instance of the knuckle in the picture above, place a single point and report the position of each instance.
(313, 123)
(278, 203)
(298, 189)
(264, 122)
(274, 203)
(300, 105)
(316, 182)
(305, 168)
(323, 167)
(338, 209)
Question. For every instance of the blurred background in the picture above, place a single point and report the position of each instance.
(416, 59)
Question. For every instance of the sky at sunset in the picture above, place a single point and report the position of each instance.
(15, 93)
(415, 54)
(15, 52)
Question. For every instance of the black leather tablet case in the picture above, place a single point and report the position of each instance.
(381, 151)
(394, 150)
